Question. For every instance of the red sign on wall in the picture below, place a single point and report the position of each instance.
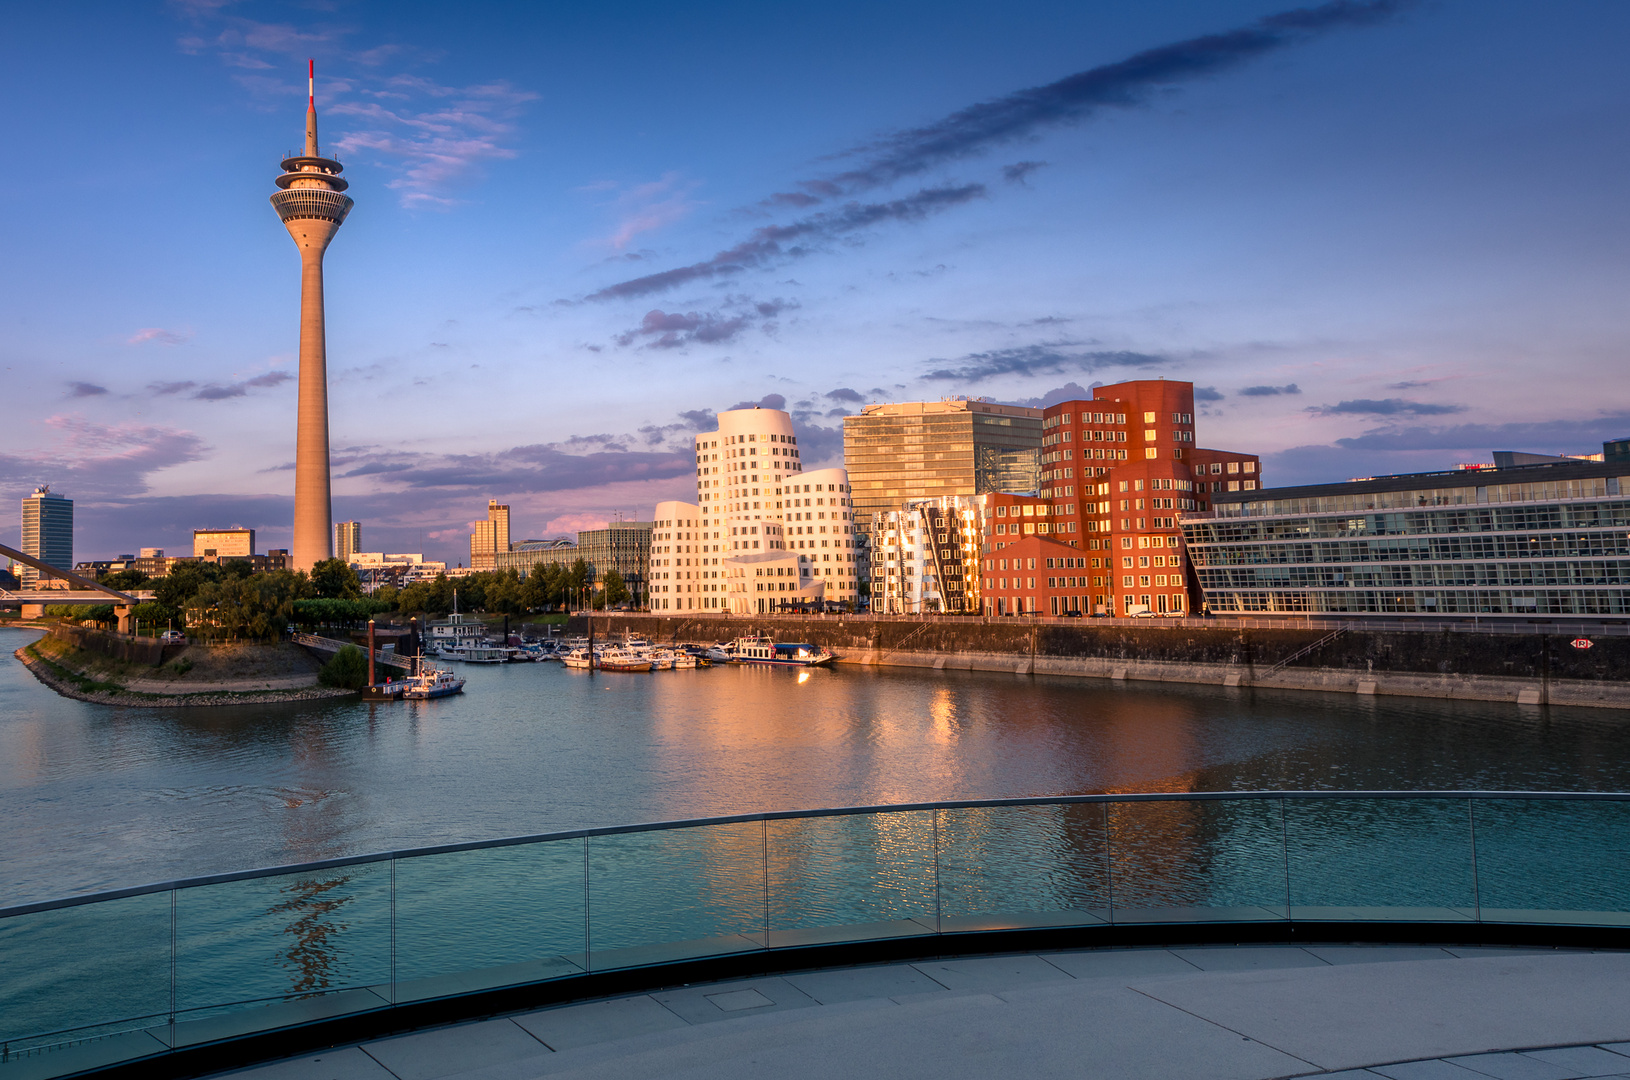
(1582, 643)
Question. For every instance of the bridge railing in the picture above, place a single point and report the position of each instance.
(312, 641)
(142, 972)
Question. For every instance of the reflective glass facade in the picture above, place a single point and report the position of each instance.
(1530, 541)
(907, 451)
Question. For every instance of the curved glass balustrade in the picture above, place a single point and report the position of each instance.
(111, 977)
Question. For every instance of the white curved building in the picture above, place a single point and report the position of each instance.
(754, 499)
(685, 572)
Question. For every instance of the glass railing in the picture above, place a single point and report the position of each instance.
(100, 979)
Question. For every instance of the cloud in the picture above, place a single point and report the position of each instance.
(700, 419)
(1070, 391)
(978, 128)
(1207, 393)
(1019, 170)
(1043, 359)
(157, 335)
(85, 459)
(1270, 391)
(220, 392)
(647, 207)
(768, 401)
(1075, 98)
(163, 388)
(85, 389)
(670, 330)
(845, 394)
(772, 244)
(1385, 407)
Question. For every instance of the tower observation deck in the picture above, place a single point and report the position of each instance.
(312, 207)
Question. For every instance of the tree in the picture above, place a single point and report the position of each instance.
(334, 579)
(123, 580)
(615, 588)
(347, 669)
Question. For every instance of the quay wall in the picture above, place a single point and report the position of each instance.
(1533, 669)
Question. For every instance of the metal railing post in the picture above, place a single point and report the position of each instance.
(1477, 895)
(172, 965)
(1109, 868)
(937, 902)
(1284, 853)
(393, 930)
(588, 939)
(764, 841)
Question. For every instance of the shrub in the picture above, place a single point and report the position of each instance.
(347, 669)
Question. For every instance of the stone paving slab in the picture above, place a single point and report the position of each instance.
(1090, 1014)
(571, 1026)
(1351, 1015)
(1514, 1067)
(448, 1051)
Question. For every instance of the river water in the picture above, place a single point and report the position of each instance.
(95, 797)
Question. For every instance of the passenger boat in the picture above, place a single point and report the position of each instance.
(478, 654)
(762, 650)
(429, 682)
(624, 660)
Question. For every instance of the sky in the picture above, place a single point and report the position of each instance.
(1377, 235)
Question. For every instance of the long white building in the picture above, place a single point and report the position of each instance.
(762, 530)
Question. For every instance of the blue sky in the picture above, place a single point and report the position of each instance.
(1385, 236)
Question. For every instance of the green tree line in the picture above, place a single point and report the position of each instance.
(227, 601)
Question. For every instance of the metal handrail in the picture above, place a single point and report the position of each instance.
(788, 815)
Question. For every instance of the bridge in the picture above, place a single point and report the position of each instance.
(88, 591)
(323, 644)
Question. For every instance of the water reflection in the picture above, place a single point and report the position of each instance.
(98, 797)
(308, 915)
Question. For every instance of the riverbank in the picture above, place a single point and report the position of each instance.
(94, 677)
(1525, 669)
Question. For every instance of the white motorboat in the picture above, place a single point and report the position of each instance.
(429, 682)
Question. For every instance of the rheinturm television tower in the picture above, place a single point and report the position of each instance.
(312, 208)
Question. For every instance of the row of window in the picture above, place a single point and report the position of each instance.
(1519, 546)
(1614, 515)
(1387, 602)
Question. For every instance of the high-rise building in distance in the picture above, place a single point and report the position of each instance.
(48, 533)
(312, 208)
(347, 539)
(491, 537)
(907, 451)
(223, 543)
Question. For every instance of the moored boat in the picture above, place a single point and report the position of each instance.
(763, 650)
(429, 682)
(624, 660)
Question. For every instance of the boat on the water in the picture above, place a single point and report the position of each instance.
(762, 650)
(624, 660)
(478, 654)
(429, 682)
(577, 658)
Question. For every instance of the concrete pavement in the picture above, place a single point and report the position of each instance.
(1224, 1012)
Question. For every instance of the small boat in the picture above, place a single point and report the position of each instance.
(720, 654)
(429, 682)
(762, 650)
(577, 658)
(624, 660)
(478, 654)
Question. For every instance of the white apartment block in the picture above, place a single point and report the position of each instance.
(770, 531)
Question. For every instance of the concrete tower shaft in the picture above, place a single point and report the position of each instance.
(312, 207)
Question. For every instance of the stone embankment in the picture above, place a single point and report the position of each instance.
(1528, 669)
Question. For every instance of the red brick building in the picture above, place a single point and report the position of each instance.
(1037, 575)
(1117, 472)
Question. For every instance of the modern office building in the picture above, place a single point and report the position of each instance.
(233, 543)
(48, 535)
(908, 451)
(312, 208)
(754, 497)
(1525, 541)
(1118, 472)
(925, 555)
(347, 539)
(624, 546)
(491, 537)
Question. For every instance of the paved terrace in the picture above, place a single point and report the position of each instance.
(1245, 1012)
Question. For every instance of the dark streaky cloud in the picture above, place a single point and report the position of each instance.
(843, 393)
(1047, 359)
(1207, 393)
(768, 401)
(1386, 407)
(1270, 391)
(773, 243)
(85, 389)
(1016, 172)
